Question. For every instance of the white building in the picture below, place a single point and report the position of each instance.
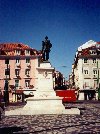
(87, 66)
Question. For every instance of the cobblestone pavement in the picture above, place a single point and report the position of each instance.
(86, 123)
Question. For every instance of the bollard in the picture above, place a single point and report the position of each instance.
(23, 97)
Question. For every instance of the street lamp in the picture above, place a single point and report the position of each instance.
(6, 92)
(98, 85)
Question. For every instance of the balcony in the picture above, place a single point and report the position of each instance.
(27, 75)
(17, 77)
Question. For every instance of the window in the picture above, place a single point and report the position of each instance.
(16, 83)
(17, 72)
(85, 71)
(94, 60)
(94, 71)
(27, 51)
(7, 71)
(6, 61)
(27, 72)
(27, 83)
(17, 61)
(18, 52)
(27, 60)
(93, 52)
(85, 60)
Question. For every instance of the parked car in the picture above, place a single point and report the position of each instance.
(68, 95)
(63, 87)
(28, 92)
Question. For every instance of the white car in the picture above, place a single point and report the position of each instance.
(28, 91)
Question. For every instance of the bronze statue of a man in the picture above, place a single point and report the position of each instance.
(46, 45)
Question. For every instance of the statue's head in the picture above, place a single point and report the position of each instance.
(46, 37)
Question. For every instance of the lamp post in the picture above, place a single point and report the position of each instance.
(6, 92)
(98, 85)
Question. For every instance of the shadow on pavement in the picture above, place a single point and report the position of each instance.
(12, 130)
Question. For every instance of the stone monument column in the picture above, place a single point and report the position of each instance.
(44, 86)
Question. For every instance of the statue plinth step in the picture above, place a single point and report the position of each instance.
(39, 107)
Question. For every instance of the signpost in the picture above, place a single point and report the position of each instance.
(6, 93)
(6, 86)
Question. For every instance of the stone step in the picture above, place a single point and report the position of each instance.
(43, 107)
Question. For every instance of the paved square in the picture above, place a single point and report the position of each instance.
(86, 123)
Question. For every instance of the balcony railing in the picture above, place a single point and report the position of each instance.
(17, 76)
(28, 75)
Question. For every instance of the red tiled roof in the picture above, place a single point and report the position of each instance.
(8, 49)
(98, 42)
(12, 46)
(10, 53)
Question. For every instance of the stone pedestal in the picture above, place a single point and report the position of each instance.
(45, 78)
(44, 87)
(45, 100)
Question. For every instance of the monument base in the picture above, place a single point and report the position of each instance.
(48, 106)
(44, 106)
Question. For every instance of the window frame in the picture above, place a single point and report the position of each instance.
(85, 60)
(18, 52)
(86, 71)
(17, 72)
(16, 83)
(27, 60)
(6, 71)
(27, 52)
(27, 72)
(94, 60)
(95, 70)
(18, 61)
(27, 83)
(6, 61)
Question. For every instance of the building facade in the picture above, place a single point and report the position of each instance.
(18, 64)
(58, 80)
(87, 66)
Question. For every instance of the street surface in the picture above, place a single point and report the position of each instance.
(86, 123)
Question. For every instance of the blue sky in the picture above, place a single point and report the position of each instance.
(67, 23)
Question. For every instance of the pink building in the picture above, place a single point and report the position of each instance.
(18, 64)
